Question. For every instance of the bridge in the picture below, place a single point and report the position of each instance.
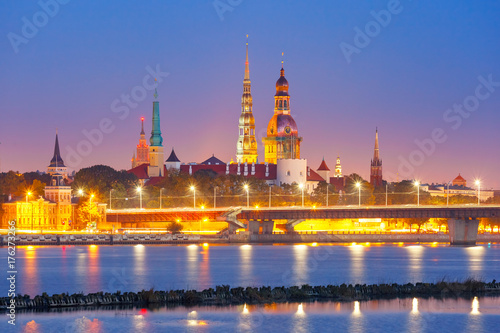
(462, 219)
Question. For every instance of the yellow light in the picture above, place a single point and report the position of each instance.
(139, 189)
(300, 309)
(91, 195)
(29, 193)
(256, 207)
(202, 207)
(367, 243)
(80, 191)
(414, 305)
(205, 244)
(357, 310)
(245, 309)
(475, 306)
(314, 244)
(417, 183)
(314, 207)
(358, 184)
(353, 243)
(192, 188)
(301, 186)
(478, 182)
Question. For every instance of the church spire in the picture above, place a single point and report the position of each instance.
(142, 126)
(376, 155)
(247, 68)
(246, 147)
(57, 161)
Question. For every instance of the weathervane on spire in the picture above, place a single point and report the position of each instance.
(282, 59)
(247, 39)
(156, 91)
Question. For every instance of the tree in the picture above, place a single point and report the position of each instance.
(88, 215)
(418, 221)
(175, 227)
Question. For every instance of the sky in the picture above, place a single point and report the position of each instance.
(425, 73)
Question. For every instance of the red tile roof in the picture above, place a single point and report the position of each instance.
(141, 171)
(312, 176)
(323, 166)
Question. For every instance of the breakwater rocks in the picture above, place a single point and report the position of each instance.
(224, 295)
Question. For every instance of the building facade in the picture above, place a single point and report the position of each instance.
(282, 140)
(141, 156)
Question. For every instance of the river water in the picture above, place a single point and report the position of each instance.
(93, 268)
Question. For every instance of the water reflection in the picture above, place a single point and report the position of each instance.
(204, 277)
(414, 319)
(356, 319)
(300, 320)
(357, 263)
(93, 274)
(29, 278)
(415, 253)
(192, 262)
(300, 269)
(245, 263)
(475, 259)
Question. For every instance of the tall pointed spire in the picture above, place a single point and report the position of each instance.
(246, 147)
(376, 155)
(57, 161)
(247, 68)
(142, 126)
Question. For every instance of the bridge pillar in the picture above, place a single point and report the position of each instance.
(256, 227)
(463, 232)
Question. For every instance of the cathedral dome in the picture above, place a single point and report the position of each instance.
(282, 125)
(282, 84)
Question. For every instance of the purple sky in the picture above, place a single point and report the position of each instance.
(414, 68)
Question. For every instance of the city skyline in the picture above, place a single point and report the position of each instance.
(406, 101)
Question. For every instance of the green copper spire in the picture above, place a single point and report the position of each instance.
(156, 139)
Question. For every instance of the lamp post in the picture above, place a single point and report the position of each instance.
(215, 196)
(90, 210)
(358, 185)
(417, 184)
(386, 186)
(326, 195)
(246, 187)
(161, 190)
(270, 196)
(27, 195)
(194, 195)
(110, 199)
(478, 184)
(301, 186)
(139, 190)
(448, 194)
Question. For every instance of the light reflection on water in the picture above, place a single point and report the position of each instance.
(401, 315)
(133, 268)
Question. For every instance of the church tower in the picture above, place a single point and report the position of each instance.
(246, 147)
(156, 158)
(57, 164)
(338, 168)
(142, 156)
(58, 191)
(282, 141)
(376, 165)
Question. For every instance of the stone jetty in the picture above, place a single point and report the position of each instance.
(224, 295)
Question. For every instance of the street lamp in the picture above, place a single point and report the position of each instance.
(270, 195)
(301, 186)
(326, 195)
(161, 190)
(417, 184)
(139, 190)
(194, 195)
(478, 184)
(215, 196)
(110, 199)
(90, 210)
(32, 208)
(358, 185)
(448, 194)
(246, 187)
(80, 192)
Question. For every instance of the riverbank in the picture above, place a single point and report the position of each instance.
(224, 295)
(158, 239)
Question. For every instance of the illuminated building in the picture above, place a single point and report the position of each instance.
(246, 147)
(142, 155)
(459, 181)
(376, 165)
(282, 141)
(156, 166)
(338, 169)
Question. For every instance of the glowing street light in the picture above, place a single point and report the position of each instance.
(139, 190)
(194, 195)
(358, 185)
(80, 192)
(478, 184)
(28, 194)
(161, 190)
(448, 194)
(417, 184)
(301, 186)
(246, 187)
